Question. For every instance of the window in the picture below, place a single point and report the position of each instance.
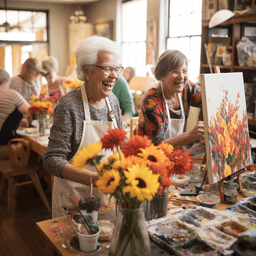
(24, 34)
(134, 29)
(23, 25)
(184, 31)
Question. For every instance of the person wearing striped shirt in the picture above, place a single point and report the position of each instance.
(12, 108)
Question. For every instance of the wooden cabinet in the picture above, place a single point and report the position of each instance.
(234, 26)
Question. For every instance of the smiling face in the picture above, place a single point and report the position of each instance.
(98, 84)
(175, 80)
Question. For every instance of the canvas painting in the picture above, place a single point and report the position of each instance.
(226, 128)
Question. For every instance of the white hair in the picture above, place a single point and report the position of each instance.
(51, 65)
(4, 75)
(87, 52)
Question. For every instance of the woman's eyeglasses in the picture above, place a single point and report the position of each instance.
(184, 72)
(107, 69)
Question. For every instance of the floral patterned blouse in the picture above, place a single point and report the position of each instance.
(153, 119)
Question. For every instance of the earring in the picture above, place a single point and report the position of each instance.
(87, 78)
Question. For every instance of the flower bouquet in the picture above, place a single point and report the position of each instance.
(71, 85)
(40, 107)
(138, 172)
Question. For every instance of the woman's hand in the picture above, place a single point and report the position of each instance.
(198, 131)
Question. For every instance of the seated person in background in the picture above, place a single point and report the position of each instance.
(12, 106)
(128, 74)
(165, 106)
(123, 93)
(27, 82)
(55, 82)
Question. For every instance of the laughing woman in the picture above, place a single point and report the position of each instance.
(165, 106)
(81, 118)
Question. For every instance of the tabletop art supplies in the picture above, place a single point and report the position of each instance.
(106, 229)
(208, 200)
(199, 231)
(230, 192)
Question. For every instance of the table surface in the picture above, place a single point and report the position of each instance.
(61, 236)
(38, 143)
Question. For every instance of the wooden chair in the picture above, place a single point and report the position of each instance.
(133, 123)
(18, 172)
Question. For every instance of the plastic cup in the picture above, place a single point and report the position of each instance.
(88, 243)
(93, 214)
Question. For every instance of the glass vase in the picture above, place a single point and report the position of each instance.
(131, 235)
(157, 208)
(41, 125)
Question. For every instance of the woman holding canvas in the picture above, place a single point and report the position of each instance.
(165, 106)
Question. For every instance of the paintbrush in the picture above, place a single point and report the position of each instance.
(69, 218)
(164, 245)
(86, 225)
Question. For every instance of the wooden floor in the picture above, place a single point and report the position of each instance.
(19, 235)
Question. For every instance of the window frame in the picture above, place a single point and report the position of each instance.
(30, 42)
(168, 17)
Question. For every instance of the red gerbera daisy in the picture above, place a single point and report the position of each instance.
(113, 137)
(135, 143)
(182, 162)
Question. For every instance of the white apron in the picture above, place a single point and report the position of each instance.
(92, 132)
(175, 126)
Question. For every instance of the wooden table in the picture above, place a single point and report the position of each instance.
(38, 144)
(60, 236)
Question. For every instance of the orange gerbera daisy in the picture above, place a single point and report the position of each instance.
(182, 162)
(113, 137)
(167, 148)
(135, 144)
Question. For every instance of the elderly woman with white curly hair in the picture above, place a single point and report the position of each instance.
(55, 82)
(81, 118)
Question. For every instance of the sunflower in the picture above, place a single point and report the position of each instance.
(86, 154)
(153, 154)
(141, 182)
(167, 148)
(102, 165)
(109, 181)
(113, 137)
(182, 162)
(134, 145)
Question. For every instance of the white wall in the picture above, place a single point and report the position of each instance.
(101, 11)
(59, 18)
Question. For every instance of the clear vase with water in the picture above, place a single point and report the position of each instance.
(131, 235)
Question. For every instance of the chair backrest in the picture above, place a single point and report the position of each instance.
(133, 123)
(19, 152)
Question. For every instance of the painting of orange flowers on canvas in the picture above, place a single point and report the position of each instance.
(226, 127)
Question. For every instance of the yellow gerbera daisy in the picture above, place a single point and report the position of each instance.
(109, 181)
(86, 154)
(141, 182)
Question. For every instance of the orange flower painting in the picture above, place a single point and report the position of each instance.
(228, 140)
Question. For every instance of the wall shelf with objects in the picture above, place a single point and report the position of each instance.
(224, 38)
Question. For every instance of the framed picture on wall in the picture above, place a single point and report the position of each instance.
(104, 29)
(210, 8)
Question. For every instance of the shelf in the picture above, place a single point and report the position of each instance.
(238, 18)
(221, 66)
(245, 68)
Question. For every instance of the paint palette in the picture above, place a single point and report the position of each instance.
(231, 228)
(176, 231)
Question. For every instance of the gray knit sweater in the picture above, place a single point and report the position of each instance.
(66, 132)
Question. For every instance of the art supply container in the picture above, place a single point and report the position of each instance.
(230, 192)
(88, 243)
(106, 230)
(93, 214)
